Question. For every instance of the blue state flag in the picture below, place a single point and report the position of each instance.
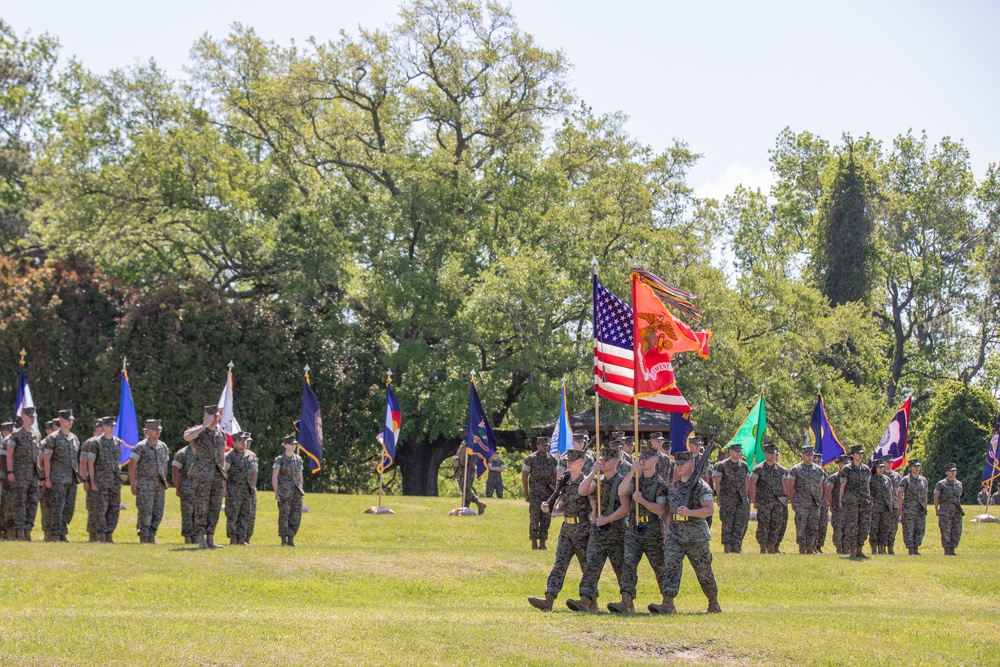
(127, 428)
(479, 439)
(310, 427)
(680, 429)
(390, 431)
(825, 441)
(562, 434)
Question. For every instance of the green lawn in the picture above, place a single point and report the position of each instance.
(423, 588)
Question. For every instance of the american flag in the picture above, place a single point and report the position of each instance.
(613, 356)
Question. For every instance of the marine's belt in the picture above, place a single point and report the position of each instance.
(576, 519)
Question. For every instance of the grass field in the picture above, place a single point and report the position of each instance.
(423, 588)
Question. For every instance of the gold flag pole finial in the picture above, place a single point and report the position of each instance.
(23, 355)
(388, 379)
(306, 369)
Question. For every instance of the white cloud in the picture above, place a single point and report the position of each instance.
(736, 174)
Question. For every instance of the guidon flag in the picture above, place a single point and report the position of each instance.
(894, 439)
(479, 439)
(127, 424)
(390, 431)
(310, 427)
(825, 441)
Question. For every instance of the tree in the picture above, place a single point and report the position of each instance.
(957, 430)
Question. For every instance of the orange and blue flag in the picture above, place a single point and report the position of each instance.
(310, 428)
(479, 439)
(390, 432)
(991, 471)
(825, 441)
(127, 426)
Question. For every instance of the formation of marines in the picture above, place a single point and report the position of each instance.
(46, 471)
(650, 508)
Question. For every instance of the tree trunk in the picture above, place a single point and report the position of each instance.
(419, 462)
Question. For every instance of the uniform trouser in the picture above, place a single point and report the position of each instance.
(606, 543)
(60, 504)
(103, 508)
(494, 486)
(914, 524)
(856, 522)
(950, 525)
(538, 521)
(735, 515)
(771, 521)
(824, 520)
(893, 528)
(837, 521)
(252, 515)
(698, 554)
(207, 504)
(289, 514)
(7, 500)
(25, 504)
(149, 506)
(806, 524)
(650, 544)
(239, 508)
(573, 539)
(187, 509)
(878, 534)
(471, 497)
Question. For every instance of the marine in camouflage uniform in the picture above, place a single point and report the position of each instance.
(731, 477)
(286, 479)
(61, 454)
(241, 489)
(184, 488)
(948, 507)
(664, 464)
(538, 482)
(147, 471)
(208, 444)
(912, 502)
(574, 533)
(6, 489)
(824, 513)
(494, 478)
(104, 496)
(855, 500)
(882, 509)
(464, 474)
(607, 534)
(687, 536)
(895, 478)
(807, 487)
(23, 474)
(767, 486)
(581, 441)
(836, 512)
(644, 534)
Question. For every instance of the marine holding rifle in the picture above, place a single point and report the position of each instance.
(689, 503)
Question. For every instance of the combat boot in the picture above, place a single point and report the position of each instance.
(203, 542)
(713, 606)
(585, 603)
(109, 538)
(62, 538)
(534, 545)
(545, 604)
(481, 505)
(737, 548)
(234, 541)
(27, 535)
(210, 539)
(284, 540)
(889, 551)
(626, 606)
(916, 551)
(802, 549)
(99, 537)
(291, 541)
(594, 606)
(665, 607)
(152, 538)
(49, 537)
(541, 545)
(764, 549)
(93, 537)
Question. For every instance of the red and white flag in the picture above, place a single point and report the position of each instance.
(228, 424)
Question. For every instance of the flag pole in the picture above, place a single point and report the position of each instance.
(597, 418)
(388, 381)
(635, 450)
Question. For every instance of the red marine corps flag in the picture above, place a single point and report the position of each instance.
(658, 336)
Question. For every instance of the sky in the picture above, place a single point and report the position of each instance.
(725, 77)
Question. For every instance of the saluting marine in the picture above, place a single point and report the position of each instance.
(208, 444)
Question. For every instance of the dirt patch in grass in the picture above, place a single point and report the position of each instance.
(672, 653)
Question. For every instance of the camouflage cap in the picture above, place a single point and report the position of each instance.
(542, 440)
(681, 457)
(575, 454)
(289, 440)
(65, 414)
(656, 436)
(914, 463)
(153, 425)
(610, 451)
(843, 458)
(808, 450)
(628, 441)
(240, 435)
(648, 451)
(52, 423)
(950, 466)
(617, 435)
(7, 426)
(696, 440)
(769, 448)
(735, 445)
(856, 449)
(887, 457)
(107, 421)
(581, 436)
(880, 463)
(29, 412)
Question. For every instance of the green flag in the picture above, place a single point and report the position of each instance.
(751, 434)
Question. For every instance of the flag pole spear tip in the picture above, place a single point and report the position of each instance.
(23, 355)
(231, 364)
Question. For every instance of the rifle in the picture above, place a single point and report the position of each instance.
(699, 468)
(560, 485)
